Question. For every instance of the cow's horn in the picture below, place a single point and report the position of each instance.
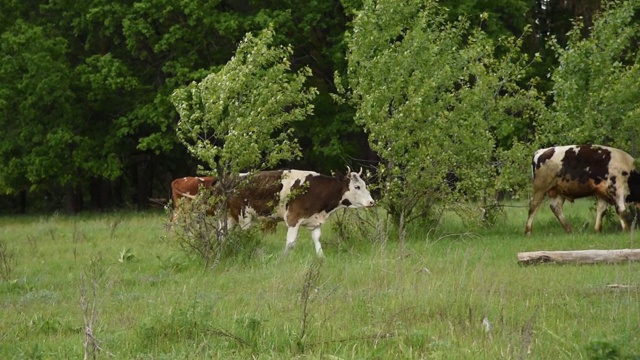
(348, 170)
(360, 172)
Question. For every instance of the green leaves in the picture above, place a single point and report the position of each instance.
(37, 97)
(238, 118)
(595, 85)
(436, 97)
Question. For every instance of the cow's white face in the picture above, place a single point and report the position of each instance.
(357, 196)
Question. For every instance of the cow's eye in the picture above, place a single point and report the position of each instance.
(357, 187)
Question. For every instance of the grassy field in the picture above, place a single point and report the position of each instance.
(454, 292)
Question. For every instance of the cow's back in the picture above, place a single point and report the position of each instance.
(576, 171)
(189, 186)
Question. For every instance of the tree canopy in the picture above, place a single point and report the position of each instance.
(239, 118)
(436, 99)
(434, 91)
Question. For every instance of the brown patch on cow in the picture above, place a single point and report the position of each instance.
(189, 186)
(571, 190)
(183, 189)
(588, 163)
(320, 193)
(634, 187)
(261, 192)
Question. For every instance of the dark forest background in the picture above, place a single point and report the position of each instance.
(84, 98)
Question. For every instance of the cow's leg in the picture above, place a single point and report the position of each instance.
(600, 209)
(244, 218)
(174, 214)
(621, 210)
(315, 235)
(292, 235)
(175, 210)
(534, 204)
(231, 223)
(556, 207)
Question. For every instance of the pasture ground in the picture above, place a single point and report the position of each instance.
(454, 292)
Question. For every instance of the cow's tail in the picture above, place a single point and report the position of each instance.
(533, 163)
(533, 168)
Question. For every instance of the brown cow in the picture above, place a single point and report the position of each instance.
(186, 188)
(299, 198)
(575, 171)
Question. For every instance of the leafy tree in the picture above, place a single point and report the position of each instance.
(117, 64)
(435, 99)
(497, 17)
(60, 115)
(239, 119)
(595, 92)
(37, 110)
(316, 30)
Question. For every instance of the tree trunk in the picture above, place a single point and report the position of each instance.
(73, 198)
(579, 256)
(22, 202)
(143, 182)
(100, 192)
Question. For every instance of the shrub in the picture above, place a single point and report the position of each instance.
(202, 235)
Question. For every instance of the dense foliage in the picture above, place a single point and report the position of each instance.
(435, 100)
(238, 119)
(595, 87)
(434, 91)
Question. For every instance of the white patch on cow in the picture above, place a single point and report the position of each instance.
(316, 220)
(289, 178)
(246, 217)
(558, 154)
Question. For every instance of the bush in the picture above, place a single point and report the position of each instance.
(202, 234)
(353, 227)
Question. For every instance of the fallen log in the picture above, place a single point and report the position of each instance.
(579, 256)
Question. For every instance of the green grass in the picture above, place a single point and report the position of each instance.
(364, 301)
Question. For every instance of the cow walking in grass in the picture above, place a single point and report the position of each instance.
(299, 198)
(576, 171)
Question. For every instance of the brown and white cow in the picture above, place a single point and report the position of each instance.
(576, 171)
(299, 198)
(186, 188)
